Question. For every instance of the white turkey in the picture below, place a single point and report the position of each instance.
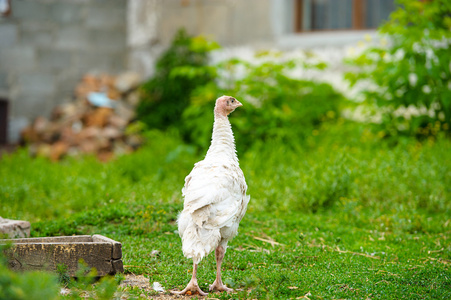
(215, 199)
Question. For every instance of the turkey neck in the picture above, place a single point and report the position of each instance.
(222, 141)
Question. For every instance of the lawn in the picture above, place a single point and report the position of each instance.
(345, 214)
(338, 209)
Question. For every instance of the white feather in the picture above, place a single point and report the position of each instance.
(215, 196)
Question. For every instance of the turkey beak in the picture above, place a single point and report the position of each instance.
(238, 103)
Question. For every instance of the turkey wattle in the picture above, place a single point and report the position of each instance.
(215, 199)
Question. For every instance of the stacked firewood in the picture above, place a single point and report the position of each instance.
(94, 123)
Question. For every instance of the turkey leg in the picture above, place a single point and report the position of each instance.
(192, 286)
(218, 285)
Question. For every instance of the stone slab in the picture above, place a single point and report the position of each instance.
(47, 253)
(117, 247)
(14, 228)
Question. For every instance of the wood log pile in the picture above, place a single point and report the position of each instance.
(94, 123)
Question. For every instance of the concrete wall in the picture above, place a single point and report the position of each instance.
(153, 23)
(47, 45)
(230, 22)
(235, 24)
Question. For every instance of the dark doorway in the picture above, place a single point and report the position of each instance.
(3, 121)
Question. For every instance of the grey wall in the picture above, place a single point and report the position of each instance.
(47, 45)
(229, 22)
(153, 23)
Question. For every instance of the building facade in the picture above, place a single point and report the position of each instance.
(46, 46)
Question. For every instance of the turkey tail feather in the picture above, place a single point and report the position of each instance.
(197, 242)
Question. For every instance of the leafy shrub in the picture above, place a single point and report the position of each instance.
(41, 285)
(410, 77)
(277, 106)
(27, 285)
(165, 96)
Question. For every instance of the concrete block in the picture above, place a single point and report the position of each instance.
(253, 27)
(107, 40)
(212, 27)
(4, 81)
(18, 58)
(67, 80)
(106, 17)
(39, 82)
(47, 253)
(67, 13)
(111, 2)
(72, 37)
(8, 35)
(14, 228)
(116, 252)
(54, 59)
(172, 19)
(99, 62)
(31, 104)
(31, 10)
(37, 34)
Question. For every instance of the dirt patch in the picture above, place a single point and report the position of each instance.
(143, 283)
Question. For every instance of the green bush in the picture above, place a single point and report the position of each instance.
(277, 107)
(165, 96)
(410, 77)
(40, 285)
(27, 285)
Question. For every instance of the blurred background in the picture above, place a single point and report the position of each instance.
(46, 47)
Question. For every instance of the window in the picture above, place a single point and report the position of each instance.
(316, 15)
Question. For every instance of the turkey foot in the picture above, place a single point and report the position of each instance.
(192, 287)
(218, 285)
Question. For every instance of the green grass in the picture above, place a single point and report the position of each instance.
(353, 216)
(330, 255)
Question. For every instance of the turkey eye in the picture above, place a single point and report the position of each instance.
(233, 100)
